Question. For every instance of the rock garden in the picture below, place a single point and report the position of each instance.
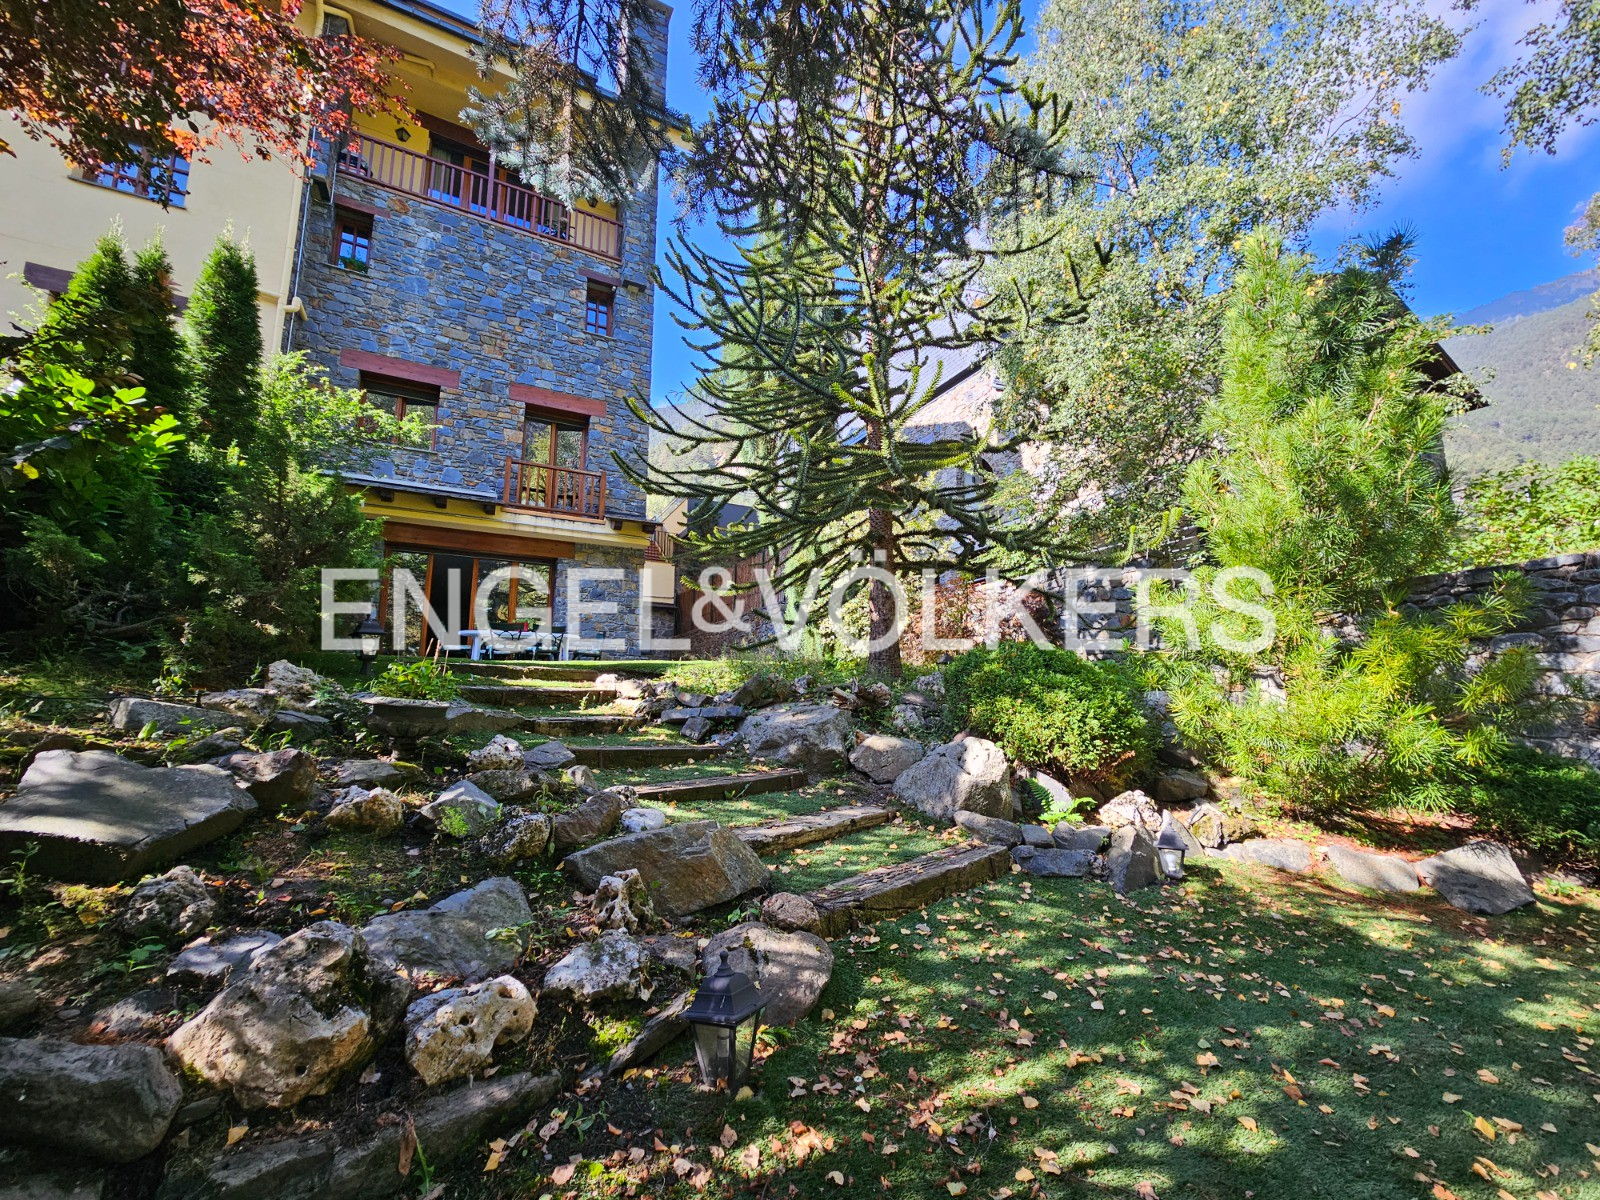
(293, 939)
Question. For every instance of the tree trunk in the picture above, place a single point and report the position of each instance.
(880, 600)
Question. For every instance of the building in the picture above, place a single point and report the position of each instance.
(408, 265)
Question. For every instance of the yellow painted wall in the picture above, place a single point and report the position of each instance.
(53, 219)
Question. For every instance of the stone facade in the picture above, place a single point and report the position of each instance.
(481, 307)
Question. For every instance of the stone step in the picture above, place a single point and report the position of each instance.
(554, 672)
(785, 833)
(903, 887)
(716, 787)
(510, 695)
(639, 757)
(579, 725)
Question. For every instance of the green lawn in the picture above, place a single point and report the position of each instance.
(1247, 1035)
(822, 863)
(748, 810)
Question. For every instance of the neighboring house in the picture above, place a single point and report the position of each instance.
(675, 567)
(408, 265)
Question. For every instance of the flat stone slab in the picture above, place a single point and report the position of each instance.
(1381, 872)
(579, 726)
(131, 714)
(786, 833)
(100, 818)
(1480, 877)
(510, 695)
(1285, 854)
(622, 757)
(902, 887)
(716, 787)
(1055, 862)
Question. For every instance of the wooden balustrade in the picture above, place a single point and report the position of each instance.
(511, 204)
(547, 488)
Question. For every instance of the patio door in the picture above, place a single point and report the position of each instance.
(548, 445)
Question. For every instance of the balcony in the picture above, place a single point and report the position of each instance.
(566, 491)
(509, 204)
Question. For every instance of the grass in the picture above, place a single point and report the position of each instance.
(749, 810)
(713, 766)
(821, 863)
(1247, 1035)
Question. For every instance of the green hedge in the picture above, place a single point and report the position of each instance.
(1542, 801)
(1055, 710)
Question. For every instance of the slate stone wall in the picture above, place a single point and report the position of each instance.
(623, 592)
(1562, 629)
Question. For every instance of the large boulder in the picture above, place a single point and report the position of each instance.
(209, 963)
(520, 786)
(812, 737)
(501, 753)
(997, 831)
(787, 910)
(548, 756)
(172, 907)
(408, 719)
(614, 966)
(966, 776)
(1207, 824)
(881, 757)
(1180, 786)
(687, 867)
(462, 810)
(108, 1102)
(1381, 872)
(1131, 861)
(19, 1000)
(371, 773)
(761, 690)
(99, 818)
(359, 810)
(1054, 861)
(452, 939)
(1480, 877)
(1131, 808)
(248, 706)
(1285, 854)
(279, 779)
(584, 824)
(303, 1012)
(131, 714)
(519, 837)
(1070, 836)
(454, 1032)
(789, 967)
(641, 820)
(297, 683)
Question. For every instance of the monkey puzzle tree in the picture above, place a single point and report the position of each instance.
(861, 194)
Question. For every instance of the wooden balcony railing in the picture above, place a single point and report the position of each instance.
(660, 548)
(545, 488)
(509, 204)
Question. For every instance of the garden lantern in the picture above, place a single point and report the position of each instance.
(370, 631)
(725, 1014)
(1170, 848)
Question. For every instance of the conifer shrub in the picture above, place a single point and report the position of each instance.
(1055, 710)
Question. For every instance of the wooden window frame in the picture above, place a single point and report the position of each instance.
(360, 224)
(599, 309)
(134, 178)
(533, 414)
(404, 393)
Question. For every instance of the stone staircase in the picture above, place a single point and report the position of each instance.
(811, 819)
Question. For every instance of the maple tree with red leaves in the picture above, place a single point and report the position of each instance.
(96, 78)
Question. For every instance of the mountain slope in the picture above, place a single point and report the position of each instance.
(1544, 405)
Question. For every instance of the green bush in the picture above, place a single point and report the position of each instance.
(1544, 802)
(1055, 710)
(423, 679)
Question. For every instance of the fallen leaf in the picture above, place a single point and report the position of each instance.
(956, 1189)
(236, 1132)
(730, 1135)
(1486, 1127)
(1249, 1123)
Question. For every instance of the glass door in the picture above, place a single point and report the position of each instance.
(551, 449)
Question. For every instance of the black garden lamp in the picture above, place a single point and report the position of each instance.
(725, 1014)
(1170, 848)
(370, 631)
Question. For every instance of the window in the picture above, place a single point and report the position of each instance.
(164, 180)
(401, 398)
(352, 240)
(597, 307)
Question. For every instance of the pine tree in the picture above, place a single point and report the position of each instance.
(860, 194)
(155, 351)
(224, 342)
(86, 327)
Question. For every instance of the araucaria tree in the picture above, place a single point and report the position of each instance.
(861, 194)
